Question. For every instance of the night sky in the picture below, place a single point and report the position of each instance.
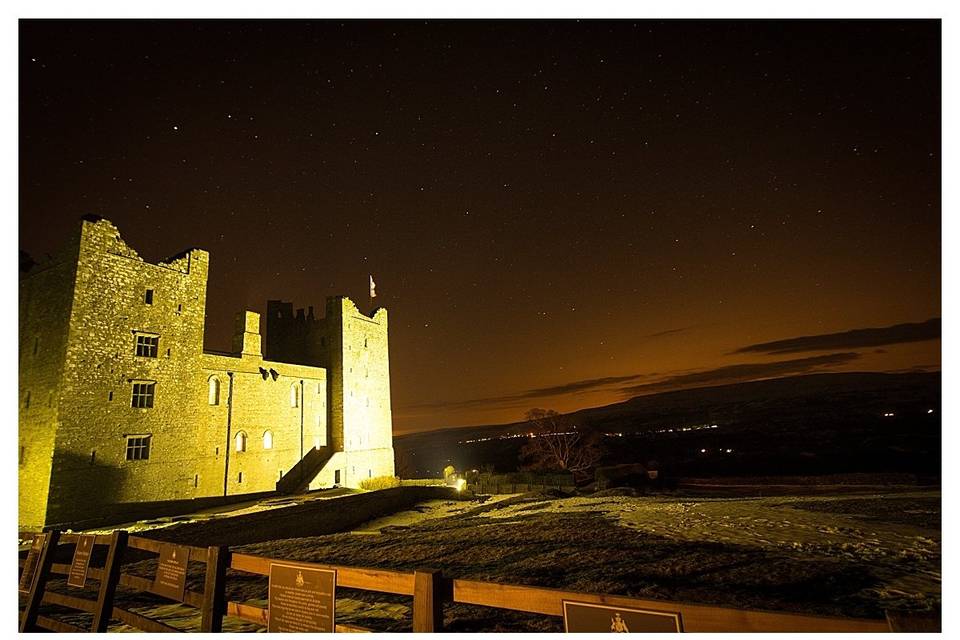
(557, 214)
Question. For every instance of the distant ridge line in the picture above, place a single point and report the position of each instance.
(847, 376)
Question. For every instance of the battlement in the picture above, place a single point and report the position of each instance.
(99, 234)
(345, 305)
(336, 306)
(283, 311)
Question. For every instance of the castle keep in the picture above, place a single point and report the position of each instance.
(120, 403)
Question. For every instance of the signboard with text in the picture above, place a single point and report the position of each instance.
(30, 564)
(584, 617)
(171, 578)
(81, 561)
(301, 598)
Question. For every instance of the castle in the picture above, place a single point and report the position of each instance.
(121, 404)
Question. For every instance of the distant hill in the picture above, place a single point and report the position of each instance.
(819, 423)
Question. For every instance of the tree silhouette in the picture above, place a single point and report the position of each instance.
(559, 445)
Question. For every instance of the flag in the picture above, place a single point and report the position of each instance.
(373, 288)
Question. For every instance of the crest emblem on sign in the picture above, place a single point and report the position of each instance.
(618, 624)
(299, 579)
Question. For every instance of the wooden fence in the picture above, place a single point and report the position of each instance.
(429, 589)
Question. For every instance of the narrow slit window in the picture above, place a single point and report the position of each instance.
(148, 296)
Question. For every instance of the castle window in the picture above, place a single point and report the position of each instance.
(240, 478)
(267, 440)
(23, 454)
(148, 296)
(336, 476)
(36, 345)
(138, 447)
(369, 473)
(364, 343)
(241, 441)
(147, 345)
(294, 396)
(26, 401)
(143, 393)
(213, 390)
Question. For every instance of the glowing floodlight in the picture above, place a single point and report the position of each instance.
(461, 483)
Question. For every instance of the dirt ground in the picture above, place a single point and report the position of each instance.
(847, 555)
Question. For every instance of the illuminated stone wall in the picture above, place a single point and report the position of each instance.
(80, 316)
(360, 415)
(46, 298)
(287, 400)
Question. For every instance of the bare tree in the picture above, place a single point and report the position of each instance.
(556, 443)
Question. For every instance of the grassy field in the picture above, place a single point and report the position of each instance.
(847, 555)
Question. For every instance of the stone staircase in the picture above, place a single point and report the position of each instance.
(297, 479)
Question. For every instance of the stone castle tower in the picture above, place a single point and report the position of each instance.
(120, 404)
(352, 347)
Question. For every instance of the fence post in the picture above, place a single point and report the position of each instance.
(214, 590)
(39, 585)
(109, 578)
(428, 597)
(913, 621)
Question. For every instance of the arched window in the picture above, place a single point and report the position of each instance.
(213, 390)
(267, 440)
(294, 396)
(241, 441)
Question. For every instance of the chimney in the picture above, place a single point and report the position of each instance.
(246, 336)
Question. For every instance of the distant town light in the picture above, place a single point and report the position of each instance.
(703, 450)
(929, 410)
(888, 414)
(461, 483)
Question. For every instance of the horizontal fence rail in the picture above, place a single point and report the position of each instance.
(428, 588)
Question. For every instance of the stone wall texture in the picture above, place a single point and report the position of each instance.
(220, 424)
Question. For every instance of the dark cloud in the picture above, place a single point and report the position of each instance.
(740, 373)
(668, 332)
(578, 386)
(677, 380)
(853, 339)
